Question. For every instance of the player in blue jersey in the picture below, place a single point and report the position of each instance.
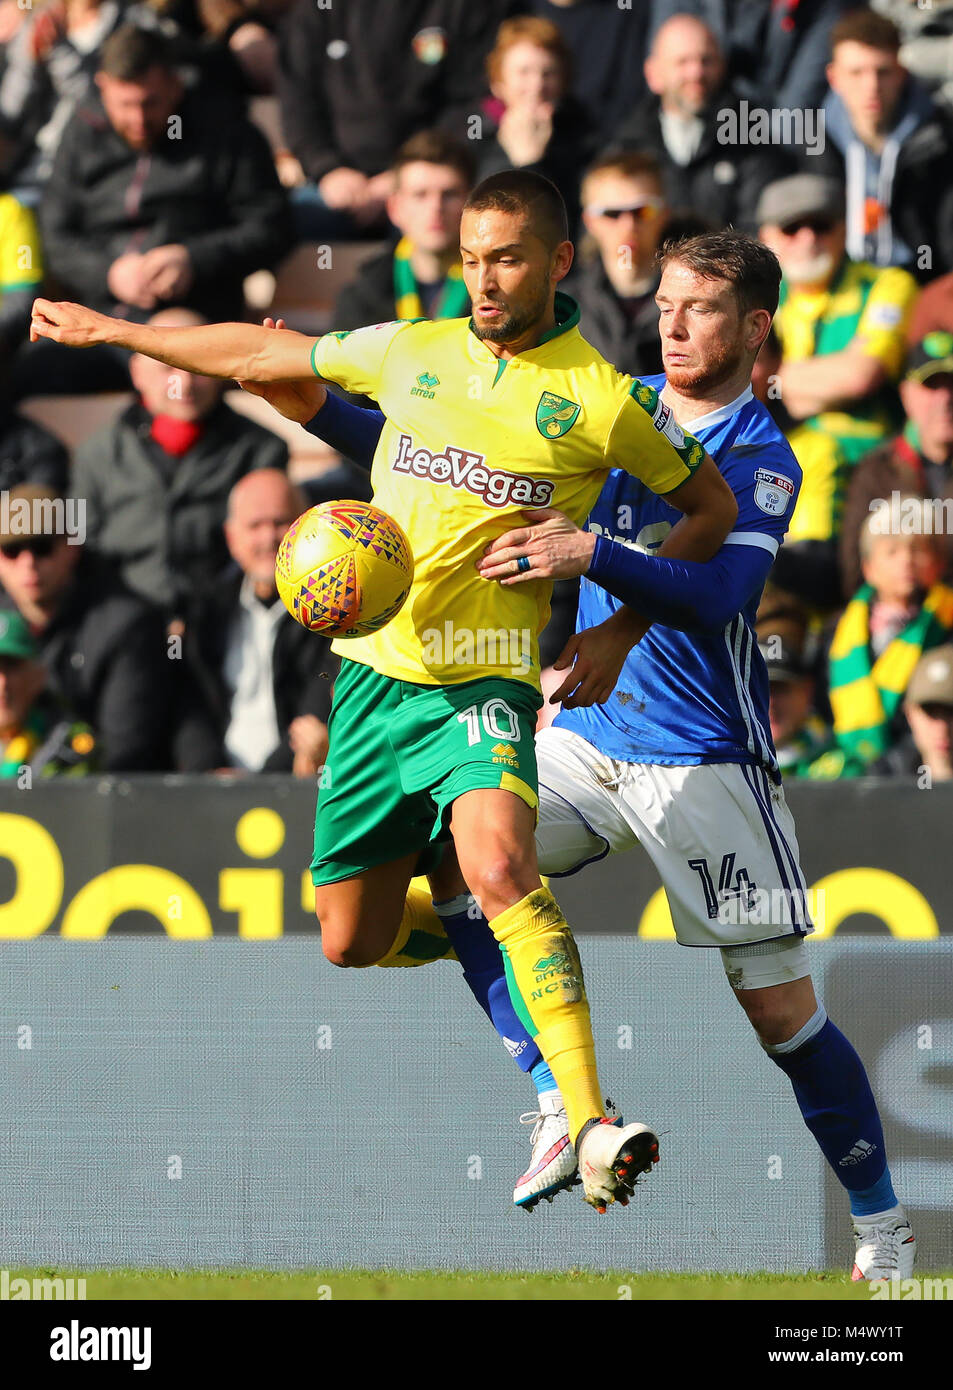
(679, 759)
(664, 739)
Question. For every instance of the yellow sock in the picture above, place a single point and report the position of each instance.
(544, 975)
(420, 937)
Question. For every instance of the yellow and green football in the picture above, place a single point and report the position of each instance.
(344, 569)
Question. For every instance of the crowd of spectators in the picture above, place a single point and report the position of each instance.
(156, 157)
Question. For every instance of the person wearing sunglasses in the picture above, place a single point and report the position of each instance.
(104, 648)
(841, 323)
(625, 216)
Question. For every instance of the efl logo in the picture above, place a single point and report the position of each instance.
(772, 491)
(462, 470)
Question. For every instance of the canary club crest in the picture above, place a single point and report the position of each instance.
(555, 416)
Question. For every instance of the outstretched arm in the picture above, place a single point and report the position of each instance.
(240, 350)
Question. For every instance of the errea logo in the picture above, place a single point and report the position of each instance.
(425, 385)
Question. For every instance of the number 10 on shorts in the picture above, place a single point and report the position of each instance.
(491, 714)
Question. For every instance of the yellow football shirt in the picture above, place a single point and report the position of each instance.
(469, 441)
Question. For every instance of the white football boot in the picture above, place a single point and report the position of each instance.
(886, 1246)
(611, 1159)
(552, 1164)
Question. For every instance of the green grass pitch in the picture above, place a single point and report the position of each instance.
(462, 1286)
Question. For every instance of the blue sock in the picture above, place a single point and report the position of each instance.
(479, 953)
(834, 1095)
(543, 1078)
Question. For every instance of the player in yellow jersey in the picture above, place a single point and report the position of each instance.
(433, 718)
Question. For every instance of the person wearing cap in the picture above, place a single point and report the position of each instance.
(841, 323)
(901, 611)
(929, 712)
(918, 460)
(104, 648)
(36, 732)
(801, 738)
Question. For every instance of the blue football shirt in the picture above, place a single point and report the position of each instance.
(685, 698)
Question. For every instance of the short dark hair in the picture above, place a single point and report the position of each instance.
(436, 147)
(747, 264)
(130, 52)
(630, 164)
(867, 27)
(522, 191)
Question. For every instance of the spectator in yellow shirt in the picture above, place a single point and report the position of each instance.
(841, 323)
(21, 274)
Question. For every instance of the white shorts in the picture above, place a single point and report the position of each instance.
(719, 834)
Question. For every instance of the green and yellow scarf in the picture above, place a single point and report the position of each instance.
(19, 748)
(865, 694)
(453, 301)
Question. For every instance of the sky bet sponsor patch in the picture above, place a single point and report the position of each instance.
(772, 491)
(666, 424)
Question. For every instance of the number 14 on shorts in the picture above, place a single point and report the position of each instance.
(740, 888)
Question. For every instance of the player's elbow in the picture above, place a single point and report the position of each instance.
(727, 509)
(712, 617)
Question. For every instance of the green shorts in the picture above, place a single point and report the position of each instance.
(399, 756)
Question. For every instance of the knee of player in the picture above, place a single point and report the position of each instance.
(503, 875)
(347, 954)
(772, 1020)
(342, 945)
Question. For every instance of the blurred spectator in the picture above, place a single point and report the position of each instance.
(607, 42)
(52, 64)
(841, 323)
(540, 126)
(681, 122)
(776, 49)
(807, 563)
(919, 461)
(155, 481)
(104, 649)
(356, 81)
(21, 275)
(926, 33)
(12, 16)
(154, 199)
(29, 453)
(265, 680)
(901, 611)
(50, 70)
(893, 148)
(36, 733)
(421, 277)
(934, 309)
(801, 739)
(236, 38)
(615, 277)
(927, 747)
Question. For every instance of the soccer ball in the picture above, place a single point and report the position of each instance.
(344, 569)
